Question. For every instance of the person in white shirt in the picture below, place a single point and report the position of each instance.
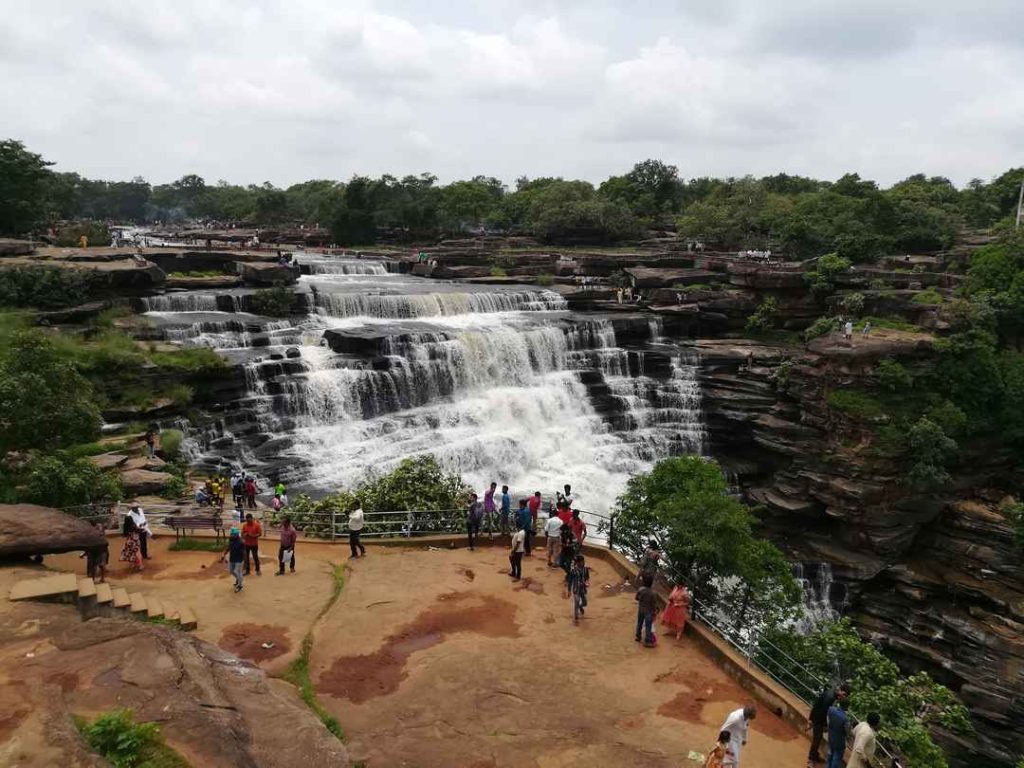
(567, 497)
(864, 742)
(139, 518)
(553, 530)
(515, 556)
(737, 724)
(355, 527)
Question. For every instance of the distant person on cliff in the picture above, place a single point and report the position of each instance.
(506, 509)
(865, 736)
(553, 531)
(838, 729)
(251, 532)
(474, 516)
(515, 555)
(721, 755)
(818, 718)
(576, 583)
(866, 330)
(737, 724)
(646, 610)
(150, 442)
(848, 330)
(355, 530)
(523, 523)
(489, 507)
(677, 613)
(235, 553)
(286, 552)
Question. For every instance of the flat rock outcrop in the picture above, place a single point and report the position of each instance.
(28, 529)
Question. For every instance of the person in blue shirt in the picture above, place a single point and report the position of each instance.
(235, 553)
(523, 520)
(838, 726)
(506, 508)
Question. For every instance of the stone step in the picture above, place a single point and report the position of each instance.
(86, 588)
(138, 603)
(121, 599)
(187, 619)
(104, 594)
(46, 586)
(154, 609)
(171, 612)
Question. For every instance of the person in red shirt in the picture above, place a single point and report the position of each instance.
(251, 533)
(579, 528)
(534, 505)
(564, 514)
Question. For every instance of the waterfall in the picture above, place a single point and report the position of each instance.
(187, 301)
(434, 304)
(344, 267)
(824, 598)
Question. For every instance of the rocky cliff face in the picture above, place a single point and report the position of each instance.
(937, 581)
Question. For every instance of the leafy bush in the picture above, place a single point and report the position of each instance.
(170, 443)
(497, 271)
(764, 318)
(909, 706)
(852, 303)
(855, 403)
(272, 302)
(545, 278)
(127, 744)
(58, 481)
(893, 376)
(821, 279)
(175, 488)
(878, 284)
(931, 450)
(70, 235)
(820, 327)
(708, 540)
(45, 287)
(929, 296)
(951, 419)
(188, 544)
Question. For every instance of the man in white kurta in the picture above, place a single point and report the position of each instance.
(864, 741)
(737, 724)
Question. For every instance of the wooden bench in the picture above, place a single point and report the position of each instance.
(182, 523)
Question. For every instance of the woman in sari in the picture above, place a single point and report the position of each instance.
(131, 551)
(677, 613)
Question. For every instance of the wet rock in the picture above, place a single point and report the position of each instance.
(292, 352)
(143, 482)
(264, 274)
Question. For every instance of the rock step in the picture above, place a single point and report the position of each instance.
(137, 604)
(154, 609)
(57, 585)
(104, 594)
(86, 589)
(121, 599)
(171, 612)
(187, 619)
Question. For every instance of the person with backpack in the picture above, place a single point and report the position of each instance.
(576, 583)
(474, 517)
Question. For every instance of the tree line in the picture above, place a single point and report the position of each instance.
(795, 215)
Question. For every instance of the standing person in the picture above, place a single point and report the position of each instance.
(287, 549)
(563, 512)
(567, 497)
(250, 492)
(576, 583)
(866, 330)
(677, 613)
(579, 528)
(489, 507)
(567, 548)
(251, 532)
(737, 724)
(151, 442)
(553, 530)
(818, 718)
(355, 530)
(646, 608)
(506, 509)
(838, 727)
(865, 736)
(535, 504)
(848, 330)
(523, 521)
(275, 503)
(238, 490)
(130, 550)
(515, 555)
(280, 490)
(474, 516)
(96, 558)
(139, 518)
(649, 561)
(235, 552)
(721, 755)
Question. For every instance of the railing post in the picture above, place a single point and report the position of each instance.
(333, 523)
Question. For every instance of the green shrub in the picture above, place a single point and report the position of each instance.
(175, 488)
(60, 481)
(170, 443)
(127, 744)
(820, 327)
(852, 303)
(764, 318)
(931, 451)
(544, 278)
(893, 376)
(929, 296)
(854, 403)
(878, 284)
(498, 272)
(69, 235)
(821, 279)
(272, 302)
(951, 419)
(45, 287)
(189, 544)
(891, 323)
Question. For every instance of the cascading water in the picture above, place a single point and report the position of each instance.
(499, 384)
(824, 598)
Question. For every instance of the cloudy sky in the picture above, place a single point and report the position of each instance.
(286, 90)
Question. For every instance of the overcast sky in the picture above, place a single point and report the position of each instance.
(294, 89)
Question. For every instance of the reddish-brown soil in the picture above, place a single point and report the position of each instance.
(531, 585)
(247, 640)
(359, 678)
(68, 681)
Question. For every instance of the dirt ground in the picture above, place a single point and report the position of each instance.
(436, 658)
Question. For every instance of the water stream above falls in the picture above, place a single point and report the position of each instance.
(499, 383)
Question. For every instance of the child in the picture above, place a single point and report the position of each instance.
(678, 611)
(721, 756)
(236, 562)
(647, 608)
(515, 555)
(576, 583)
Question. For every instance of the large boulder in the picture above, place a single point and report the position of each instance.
(143, 482)
(262, 274)
(28, 529)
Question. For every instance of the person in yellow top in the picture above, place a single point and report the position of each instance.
(83, 241)
(722, 755)
(864, 739)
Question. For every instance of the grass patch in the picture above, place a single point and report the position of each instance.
(855, 403)
(127, 744)
(890, 323)
(928, 296)
(189, 544)
(297, 672)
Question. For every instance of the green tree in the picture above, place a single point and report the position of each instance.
(930, 453)
(58, 481)
(764, 318)
(44, 401)
(822, 279)
(24, 185)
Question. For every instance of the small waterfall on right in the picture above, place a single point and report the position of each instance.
(824, 598)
